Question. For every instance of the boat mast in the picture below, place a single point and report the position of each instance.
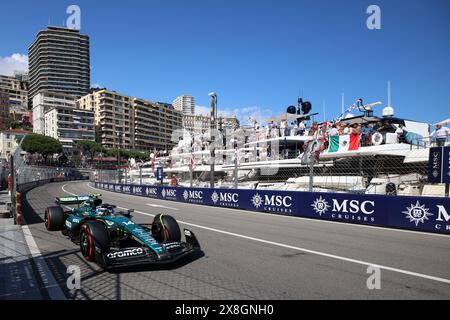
(389, 93)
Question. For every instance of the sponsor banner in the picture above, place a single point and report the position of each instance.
(169, 193)
(414, 213)
(151, 192)
(435, 165)
(446, 165)
(194, 195)
(439, 165)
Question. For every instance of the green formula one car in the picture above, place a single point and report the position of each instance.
(111, 239)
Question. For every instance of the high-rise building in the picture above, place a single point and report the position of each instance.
(69, 125)
(154, 123)
(131, 123)
(113, 117)
(185, 104)
(44, 101)
(59, 62)
(4, 109)
(16, 87)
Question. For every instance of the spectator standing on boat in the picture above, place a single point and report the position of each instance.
(401, 131)
(301, 128)
(283, 126)
(440, 135)
(334, 131)
(366, 132)
(294, 128)
(377, 126)
(346, 129)
(387, 127)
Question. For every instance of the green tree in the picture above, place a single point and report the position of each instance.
(43, 145)
(91, 148)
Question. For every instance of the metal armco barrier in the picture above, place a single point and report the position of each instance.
(19, 208)
(428, 214)
(24, 187)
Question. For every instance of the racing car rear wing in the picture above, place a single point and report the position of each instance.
(76, 199)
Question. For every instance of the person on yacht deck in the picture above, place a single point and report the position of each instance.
(294, 129)
(440, 135)
(301, 128)
(334, 131)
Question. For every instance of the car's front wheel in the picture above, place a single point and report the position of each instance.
(166, 229)
(94, 242)
(54, 219)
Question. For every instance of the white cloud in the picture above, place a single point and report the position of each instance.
(246, 115)
(201, 110)
(15, 62)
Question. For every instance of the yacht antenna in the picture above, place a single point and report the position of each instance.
(389, 93)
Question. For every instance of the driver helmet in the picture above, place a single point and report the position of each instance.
(101, 211)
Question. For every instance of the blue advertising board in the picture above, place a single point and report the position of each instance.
(413, 213)
(446, 165)
(439, 165)
(160, 173)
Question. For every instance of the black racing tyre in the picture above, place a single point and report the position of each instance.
(93, 235)
(166, 229)
(54, 219)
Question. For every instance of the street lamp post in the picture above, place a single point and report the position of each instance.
(212, 134)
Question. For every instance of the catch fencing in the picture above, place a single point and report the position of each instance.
(24, 176)
(401, 172)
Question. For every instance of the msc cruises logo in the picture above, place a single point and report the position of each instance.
(225, 199)
(273, 203)
(417, 213)
(257, 201)
(195, 196)
(320, 206)
(169, 193)
(215, 197)
(151, 191)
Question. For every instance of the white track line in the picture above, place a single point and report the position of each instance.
(323, 254)
(264, 214)
(161, 206)
(50, 284)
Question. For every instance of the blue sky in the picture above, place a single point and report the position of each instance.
(257, 55)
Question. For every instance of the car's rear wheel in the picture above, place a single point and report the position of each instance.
(94, 242)
(54, 219)
(166, 229)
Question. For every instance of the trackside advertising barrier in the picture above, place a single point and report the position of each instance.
(412, 213)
